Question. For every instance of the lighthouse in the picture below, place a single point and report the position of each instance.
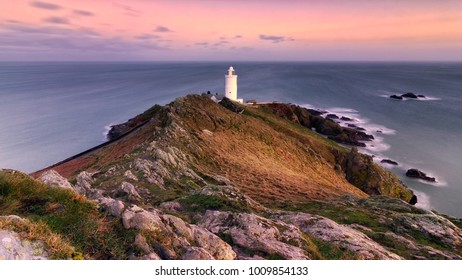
(231, 85)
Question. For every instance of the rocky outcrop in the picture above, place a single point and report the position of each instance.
(84, 184)
(258, 235)
(172, 236)
(432, 227)
(415, 173)
(362, 172)
(128, 191)
(345, 237)
(326, 126)
(112, 206)
(197, 253)
(135, 217)
(119, 130)
(55, 180)
(228, 104)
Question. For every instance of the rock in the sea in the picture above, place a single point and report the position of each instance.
(389, 161)
(347, 119)
(316, 112)
(332, 116)
(421, 96)
(409, 95)
(55, 180)
(415, 173)
(394, 96)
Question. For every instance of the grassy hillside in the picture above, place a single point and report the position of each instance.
(71, 226)
(196, 180)
(267, 157)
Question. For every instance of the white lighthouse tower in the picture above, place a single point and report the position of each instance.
(231, 85)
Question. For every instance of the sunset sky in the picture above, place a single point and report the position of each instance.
(310, 30)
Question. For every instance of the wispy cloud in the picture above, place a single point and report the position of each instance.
(162, 29)
(57, 20)
(221, 43)
(83, 13)
(129, 11)
(275, 39)
(147, 37)
(45, 5)
(237, 37)
(61, 39)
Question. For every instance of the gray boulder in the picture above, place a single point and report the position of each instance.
(257, 234)
(84, 183)
(127, 190)
(135, 217)
(197, 253)
(55, 180)
(12, 247)
(114, 206)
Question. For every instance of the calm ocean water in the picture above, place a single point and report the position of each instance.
(50, 111)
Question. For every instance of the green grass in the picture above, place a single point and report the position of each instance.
(201, 203)
(66, 214)
(342, 215)
(328, 251)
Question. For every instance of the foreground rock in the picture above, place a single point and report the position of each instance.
(415, 173)
(55, 180)
(259, 236)
(346, 238)
(12, 247)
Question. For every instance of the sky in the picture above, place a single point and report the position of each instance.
(233, 30)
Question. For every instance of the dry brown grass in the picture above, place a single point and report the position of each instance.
(266, 156)
(56, 245)
(269, 160)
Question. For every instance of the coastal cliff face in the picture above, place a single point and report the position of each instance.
(197, 180)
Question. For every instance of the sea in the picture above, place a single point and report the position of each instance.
(52, 110)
